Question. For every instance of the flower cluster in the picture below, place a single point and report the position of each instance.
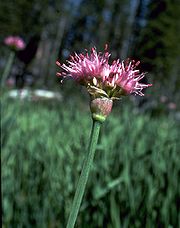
(14, 42)
(101, 78)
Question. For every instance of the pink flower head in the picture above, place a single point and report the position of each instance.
(101, 78)
(14, 42)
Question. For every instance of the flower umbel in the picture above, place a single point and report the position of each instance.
(101, 78)
(14, 42)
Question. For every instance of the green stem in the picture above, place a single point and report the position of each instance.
(84, 174)
(7, 67)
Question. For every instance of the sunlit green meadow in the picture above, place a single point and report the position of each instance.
(133, 183)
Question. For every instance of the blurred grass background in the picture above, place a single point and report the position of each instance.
(134, 180)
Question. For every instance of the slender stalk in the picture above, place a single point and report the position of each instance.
(7, 67)
(84, 174)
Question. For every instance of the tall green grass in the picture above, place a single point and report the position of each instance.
(133, 183)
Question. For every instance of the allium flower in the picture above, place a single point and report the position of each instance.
(104, 82)
(101, 78)
(14, 42)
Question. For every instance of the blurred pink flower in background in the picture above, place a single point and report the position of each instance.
(15, 42)
(101, 78)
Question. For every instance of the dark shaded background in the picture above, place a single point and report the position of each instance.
(145, 30)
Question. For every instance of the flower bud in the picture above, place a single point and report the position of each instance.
(101, 108)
